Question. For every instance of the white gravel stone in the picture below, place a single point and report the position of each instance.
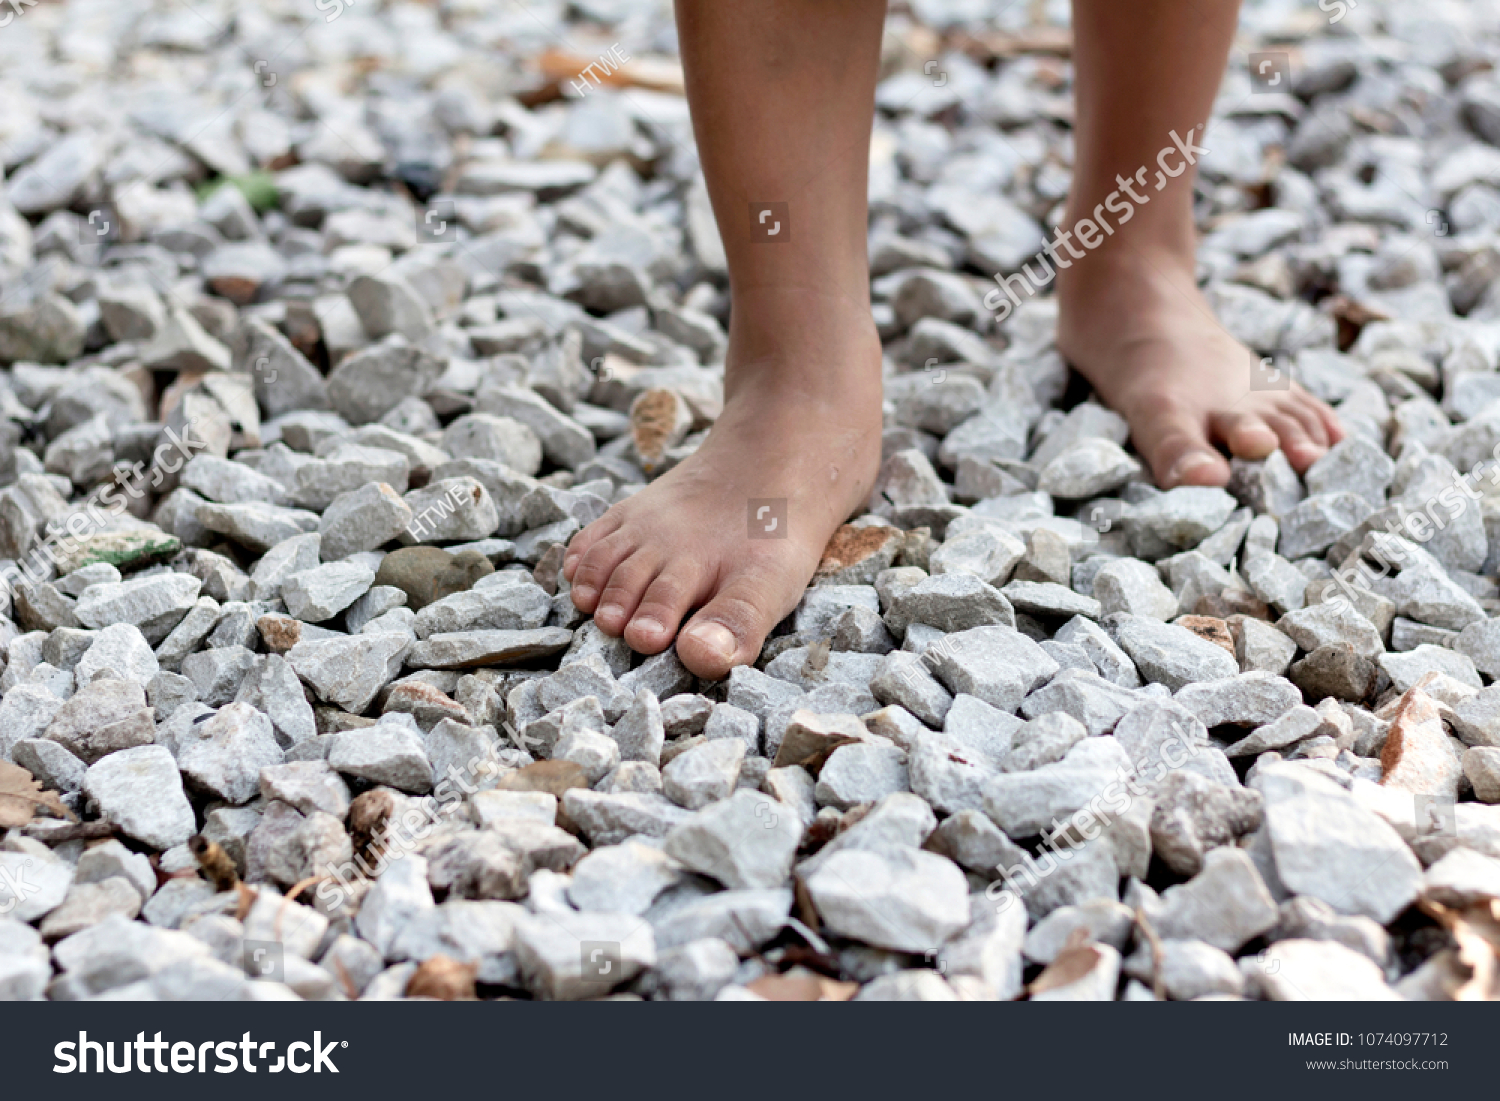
(745, 841)
(903, 899)
(139, 791)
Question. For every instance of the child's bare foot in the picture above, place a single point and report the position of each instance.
(801, 425)
(1134, 324)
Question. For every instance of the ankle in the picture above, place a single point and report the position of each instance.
(807, 343)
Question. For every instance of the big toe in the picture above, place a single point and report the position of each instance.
(730, 629)
(1176, 447)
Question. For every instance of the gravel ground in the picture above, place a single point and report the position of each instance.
(288, 462)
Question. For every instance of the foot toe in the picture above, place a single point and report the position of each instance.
(1331, 423)
(1178, 450)
(618, 601)
(1300, 449)
(730, 629)
(675, 590)
(592, 574)
(585, 540)
(1247, 435)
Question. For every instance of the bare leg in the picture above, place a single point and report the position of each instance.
(1132, 320)
(782, 94)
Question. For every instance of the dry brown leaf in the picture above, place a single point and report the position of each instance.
(801, 985)
(443, 979)
(807, 912)
(345, 979)
(657, 73)
(1475, 958)
(1475, 954)
(248, 896)
(21, 796)
(1158, 985)
(1070, 965)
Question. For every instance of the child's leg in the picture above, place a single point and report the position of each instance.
(782, 93)
(1132, 319)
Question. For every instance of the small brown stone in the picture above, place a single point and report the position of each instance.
(1213, 629)
(1418, 757)
(1222, 605)
(855, 555)
(1335, 670)
(426, 574)
(811, 737)
(279, 632)
(368, 814)
(335, 720)
(545, 573)
(553, 777)
(444, 980)
(424, 703)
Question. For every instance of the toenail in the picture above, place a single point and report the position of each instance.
(585, 592)
(1187, 462)
(647, 624)
(610, 610)
(717, 637)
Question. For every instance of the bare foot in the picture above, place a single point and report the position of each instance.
(799, 436)
(1135, 325)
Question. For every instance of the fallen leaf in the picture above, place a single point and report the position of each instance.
(21, 796)
(248, 896)
(1474, 961)
(802, 986)
(559, 67)
(345, 979)
(1070, 965)
(1158, 985)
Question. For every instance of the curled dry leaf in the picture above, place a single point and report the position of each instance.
(1473, 962)
(248, 896)
(1075, 961)
(21, 796)
(801, 985)
(345, 979)
(1158, 985)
